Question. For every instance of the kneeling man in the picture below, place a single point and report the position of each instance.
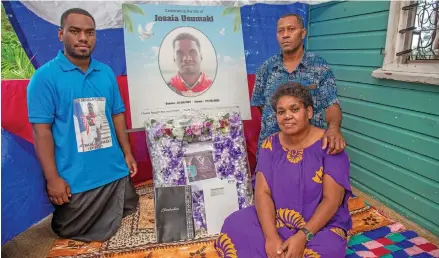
(78, 122)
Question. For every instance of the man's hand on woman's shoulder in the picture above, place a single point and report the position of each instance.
(333, 141)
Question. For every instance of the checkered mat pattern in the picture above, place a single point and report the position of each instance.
(383, 242)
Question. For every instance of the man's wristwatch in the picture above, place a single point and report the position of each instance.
(307, 233)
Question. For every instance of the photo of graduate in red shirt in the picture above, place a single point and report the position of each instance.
(189, 81)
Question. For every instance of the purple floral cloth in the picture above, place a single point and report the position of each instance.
(168, 141)
(295, 178)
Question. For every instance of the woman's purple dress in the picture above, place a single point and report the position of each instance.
(295, 180)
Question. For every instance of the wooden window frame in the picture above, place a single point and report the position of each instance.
(394, 67)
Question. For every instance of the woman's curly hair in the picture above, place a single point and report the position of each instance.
(292, 89)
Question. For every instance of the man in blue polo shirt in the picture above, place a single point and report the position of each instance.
(294, 64)
(78, 122)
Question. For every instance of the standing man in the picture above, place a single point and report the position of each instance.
(295, 65)
(88, 183)
(190, 80)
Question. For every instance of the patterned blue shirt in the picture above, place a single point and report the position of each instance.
(312, 71)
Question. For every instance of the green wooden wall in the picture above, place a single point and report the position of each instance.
(391, 127)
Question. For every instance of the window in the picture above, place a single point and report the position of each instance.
(412, 44)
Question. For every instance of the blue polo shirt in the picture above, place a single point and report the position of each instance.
(80, 107)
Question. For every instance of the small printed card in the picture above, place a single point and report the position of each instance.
(220, 200)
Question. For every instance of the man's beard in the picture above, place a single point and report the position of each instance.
(292, 50)
(72, 53)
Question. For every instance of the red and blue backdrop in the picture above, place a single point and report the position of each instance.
(24, 198)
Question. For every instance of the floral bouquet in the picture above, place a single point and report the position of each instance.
(168, 140)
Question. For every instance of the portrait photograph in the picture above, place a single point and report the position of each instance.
(187, 61)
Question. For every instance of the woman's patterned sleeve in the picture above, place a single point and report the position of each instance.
(264, 164)
(338, 167)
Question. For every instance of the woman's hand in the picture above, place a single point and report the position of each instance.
(272, 245)
(294, 246)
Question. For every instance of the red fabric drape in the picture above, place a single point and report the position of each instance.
(15, 120)
(14, 108)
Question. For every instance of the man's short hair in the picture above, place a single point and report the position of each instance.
(186, 36)
(298, 17)
(75, 11)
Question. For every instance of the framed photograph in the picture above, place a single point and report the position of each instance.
(198, 163)
(199, 166)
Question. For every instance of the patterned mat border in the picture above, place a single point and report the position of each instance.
(155, 247)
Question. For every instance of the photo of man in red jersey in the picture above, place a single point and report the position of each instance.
(189, 81)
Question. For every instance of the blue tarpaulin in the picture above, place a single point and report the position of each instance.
(40, 39)
(24, 197)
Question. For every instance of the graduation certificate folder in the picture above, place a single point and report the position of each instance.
(173, 213)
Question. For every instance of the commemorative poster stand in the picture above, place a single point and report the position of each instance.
(188, 90)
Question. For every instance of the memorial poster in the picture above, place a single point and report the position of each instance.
(182, 57)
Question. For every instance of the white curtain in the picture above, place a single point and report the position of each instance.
(108, 14)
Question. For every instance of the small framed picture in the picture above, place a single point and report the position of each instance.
(198, 162)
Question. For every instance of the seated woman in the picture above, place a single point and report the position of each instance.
(301, 192)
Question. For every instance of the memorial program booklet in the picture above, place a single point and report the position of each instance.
(173, 213)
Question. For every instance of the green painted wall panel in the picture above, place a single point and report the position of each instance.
(366, 40)
(347, 9)
(418, 143)
(391, 127)
(405, 119)
(421, 101)
(419, 185)
(364, 75)
(352, 57)
(362, 23)
(398, 207)
(316, 6)
(418, 164)
(413, 202)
